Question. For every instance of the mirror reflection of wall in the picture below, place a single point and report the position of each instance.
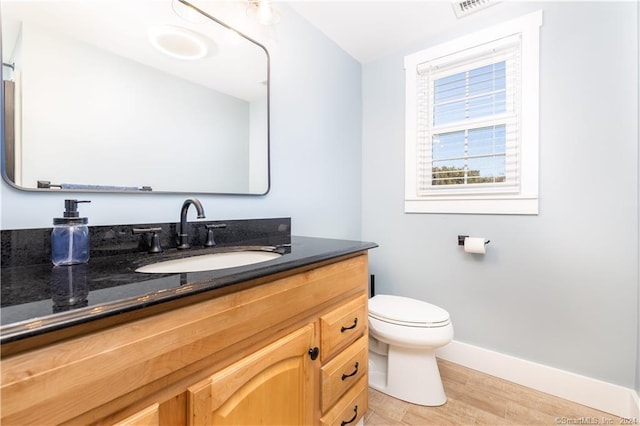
(86, 115)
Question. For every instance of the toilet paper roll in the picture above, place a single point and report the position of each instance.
(474, 245)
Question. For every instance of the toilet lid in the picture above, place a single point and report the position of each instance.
(406, 311)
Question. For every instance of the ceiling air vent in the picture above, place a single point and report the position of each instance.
(465, 7)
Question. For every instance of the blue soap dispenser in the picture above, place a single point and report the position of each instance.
(70, 236)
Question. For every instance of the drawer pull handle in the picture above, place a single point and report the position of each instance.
(355, 415)
(355, 322)
(344, 376)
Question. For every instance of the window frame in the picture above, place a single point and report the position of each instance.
(504, 50)
(524, 200)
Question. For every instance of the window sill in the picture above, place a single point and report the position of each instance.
(514, 205)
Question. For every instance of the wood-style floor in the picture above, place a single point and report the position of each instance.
(475, 398)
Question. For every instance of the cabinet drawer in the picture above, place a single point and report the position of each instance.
(342, 326)
(350, 408)
(343, 371)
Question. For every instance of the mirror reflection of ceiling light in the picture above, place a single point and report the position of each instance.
(178, 42)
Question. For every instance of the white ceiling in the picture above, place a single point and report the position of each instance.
(365, 29)
(368, 30)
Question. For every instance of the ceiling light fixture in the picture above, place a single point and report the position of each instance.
(178, 42)
(263, 11)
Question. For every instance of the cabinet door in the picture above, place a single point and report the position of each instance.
(273, 386)
(150, 416)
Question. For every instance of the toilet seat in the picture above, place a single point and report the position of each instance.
(407, 312)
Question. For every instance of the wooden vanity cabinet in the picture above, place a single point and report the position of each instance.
(290, 348)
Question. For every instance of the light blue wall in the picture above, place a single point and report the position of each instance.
(315, 152)
(559, 288)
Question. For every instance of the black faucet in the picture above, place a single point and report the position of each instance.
(183, 233)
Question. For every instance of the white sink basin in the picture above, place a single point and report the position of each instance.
(209, 262)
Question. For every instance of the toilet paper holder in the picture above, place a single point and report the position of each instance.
(462, 237)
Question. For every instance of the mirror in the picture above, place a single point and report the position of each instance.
(138, 96)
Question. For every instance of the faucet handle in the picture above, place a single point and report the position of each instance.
(154, 246)
(210, 241)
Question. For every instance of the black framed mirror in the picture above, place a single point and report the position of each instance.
(132, 95)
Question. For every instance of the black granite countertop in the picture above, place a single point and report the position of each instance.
(39, 298)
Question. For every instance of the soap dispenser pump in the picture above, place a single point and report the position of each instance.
(70, 236)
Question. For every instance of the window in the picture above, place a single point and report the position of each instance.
(472, 123)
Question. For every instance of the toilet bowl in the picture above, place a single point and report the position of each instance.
(404, 334)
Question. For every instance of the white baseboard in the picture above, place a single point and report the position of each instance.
(603, 396)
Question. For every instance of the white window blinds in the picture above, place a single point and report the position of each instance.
(468, 117)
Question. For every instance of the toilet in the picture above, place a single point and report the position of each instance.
(404, 334)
